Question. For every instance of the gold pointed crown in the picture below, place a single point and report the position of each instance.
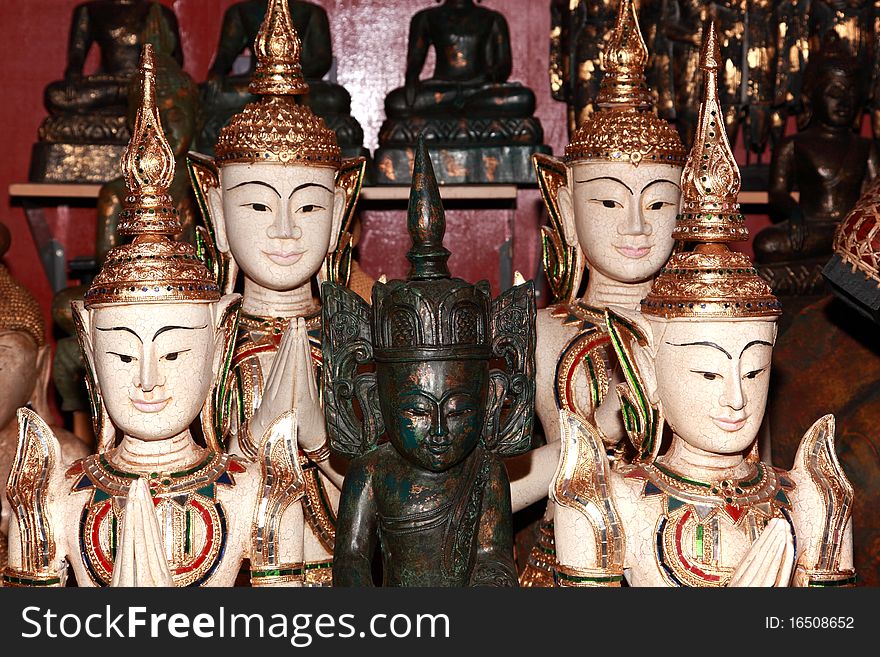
(710, 281)
(19, 311)
(152, 268)
(276, 128)
(625, 127)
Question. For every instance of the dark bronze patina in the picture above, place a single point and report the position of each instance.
(483, 124)
(827, 163)
(85, 133)
(225, 93)
(435, 496)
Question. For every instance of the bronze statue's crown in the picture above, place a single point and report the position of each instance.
(152, 267)
(276, 128)
(710, 281)
(625, 127)
(19, 311)
(430, 316)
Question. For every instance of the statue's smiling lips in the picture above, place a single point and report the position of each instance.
(284, 257)
(634, 252)
(153, 406)
(438, 447)
(730, 424)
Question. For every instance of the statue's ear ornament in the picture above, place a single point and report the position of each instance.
(563, 264)
(349, 178)
(642, 419)
(347, 346)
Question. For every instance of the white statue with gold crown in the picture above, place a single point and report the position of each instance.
(707, 512)
(612, 204)
(279, 205)
(153, 507)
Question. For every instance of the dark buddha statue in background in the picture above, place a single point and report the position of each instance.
(827, 163)
(225, 93)
(85, 133)
(481, 123)
(434, 498)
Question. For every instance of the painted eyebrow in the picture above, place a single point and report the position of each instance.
(173, 328)
(703, 344)
(306, 185)
(255, 182)
(121, 328)
(617, 180)
(753, 343)
(657, 182)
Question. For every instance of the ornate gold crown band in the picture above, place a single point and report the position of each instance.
(276, 128)
(152, 268)
(625, 127)
(710, 281)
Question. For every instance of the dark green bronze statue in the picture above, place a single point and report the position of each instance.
(225, 93)
(85, 133)
(482, 124)
(435, 495)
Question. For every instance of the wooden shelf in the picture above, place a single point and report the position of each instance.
(372, 193)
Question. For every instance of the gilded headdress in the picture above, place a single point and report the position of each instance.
(625, 128)
(276, 128)
(710, 281)
(19, 311)
(152, 268)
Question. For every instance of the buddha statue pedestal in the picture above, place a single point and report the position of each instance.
(225, 93)
(479, 127)
(84, 136)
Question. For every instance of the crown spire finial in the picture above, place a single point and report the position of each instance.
(710, 182)
(277, 49)
(426, 220)
(624, 61)
(148, 165)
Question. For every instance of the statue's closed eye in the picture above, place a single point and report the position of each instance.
(257, 207)
(125, 358)
(709, 376)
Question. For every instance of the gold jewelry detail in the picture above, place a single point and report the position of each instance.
(19, 311)
(276, 128)
(152, 268)
(625, 127)
(710, 281)
(322, 453)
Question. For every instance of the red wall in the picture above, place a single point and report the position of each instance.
(369, 39)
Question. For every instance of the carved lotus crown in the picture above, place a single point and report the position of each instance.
(276, 128)
(710, 281)
(152, 268)
(625, 127)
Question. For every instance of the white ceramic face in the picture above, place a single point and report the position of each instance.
(18, 373)
(623, 216)
(278, 221)
(713, 378)
(154, 364)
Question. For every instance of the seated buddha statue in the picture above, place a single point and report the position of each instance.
(612, 204)
(154, 506)
(434, 498)
(278, 203)
(826, 163)
(25, 361)
(707, 511)
(468, 101)
(83, 137)
(225, 92)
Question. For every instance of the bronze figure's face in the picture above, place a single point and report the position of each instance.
(837, 99)
(436, 408)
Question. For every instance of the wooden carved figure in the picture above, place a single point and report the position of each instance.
(707, 512)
